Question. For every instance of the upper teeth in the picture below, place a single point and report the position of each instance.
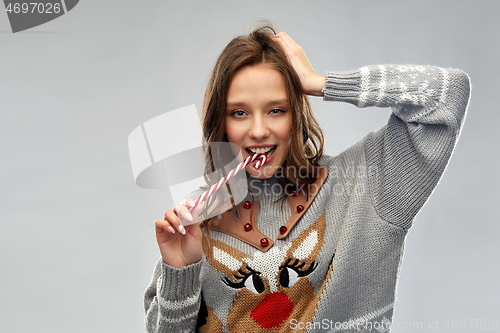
(260, 150)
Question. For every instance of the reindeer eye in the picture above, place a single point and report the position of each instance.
(254, 284)
(247, 278)
(288, 277)
(292, 271)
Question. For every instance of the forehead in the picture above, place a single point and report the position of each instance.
(259, 82)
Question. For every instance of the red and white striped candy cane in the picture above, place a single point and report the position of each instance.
(262, 159)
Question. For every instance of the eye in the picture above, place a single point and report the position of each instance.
(249, 279)
(288, 277)
(239, 113)
(276, 111)
(292, 271)
(254, 284)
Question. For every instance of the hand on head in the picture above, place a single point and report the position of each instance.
(312, 83)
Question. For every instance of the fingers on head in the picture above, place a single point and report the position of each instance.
(278, 37)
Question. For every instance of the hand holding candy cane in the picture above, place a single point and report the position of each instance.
(183, 248)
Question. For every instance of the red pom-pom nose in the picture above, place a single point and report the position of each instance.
(272, 310)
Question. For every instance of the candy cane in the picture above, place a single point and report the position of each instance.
(262, 159)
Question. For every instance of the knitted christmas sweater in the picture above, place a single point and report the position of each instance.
(327, 258)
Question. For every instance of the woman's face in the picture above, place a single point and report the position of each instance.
(258, 117)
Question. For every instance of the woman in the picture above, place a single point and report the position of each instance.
(329, 259)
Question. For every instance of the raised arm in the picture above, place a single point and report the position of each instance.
(407, 157)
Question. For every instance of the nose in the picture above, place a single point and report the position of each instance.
(259, 128)
(272, 310)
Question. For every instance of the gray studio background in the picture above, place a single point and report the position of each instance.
(77, 244)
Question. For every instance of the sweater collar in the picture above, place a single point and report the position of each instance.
(246, 229)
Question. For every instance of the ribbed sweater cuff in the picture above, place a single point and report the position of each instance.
(180, 283)
(343, 86)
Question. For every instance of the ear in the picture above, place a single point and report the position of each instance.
(223, 257)
(310, 241)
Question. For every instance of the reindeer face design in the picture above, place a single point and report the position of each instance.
(273, 286)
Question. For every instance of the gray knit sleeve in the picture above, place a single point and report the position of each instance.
(172, 300)
(406, 158)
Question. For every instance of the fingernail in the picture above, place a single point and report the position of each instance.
(172, 230)
(181, 229)
(190, 204)
(188, 217)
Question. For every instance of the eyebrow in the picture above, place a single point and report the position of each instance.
(273, 102)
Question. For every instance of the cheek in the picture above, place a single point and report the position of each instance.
(233, 136)
(229, 130)
(286, 128)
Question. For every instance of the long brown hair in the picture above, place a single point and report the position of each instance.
(306, 138)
